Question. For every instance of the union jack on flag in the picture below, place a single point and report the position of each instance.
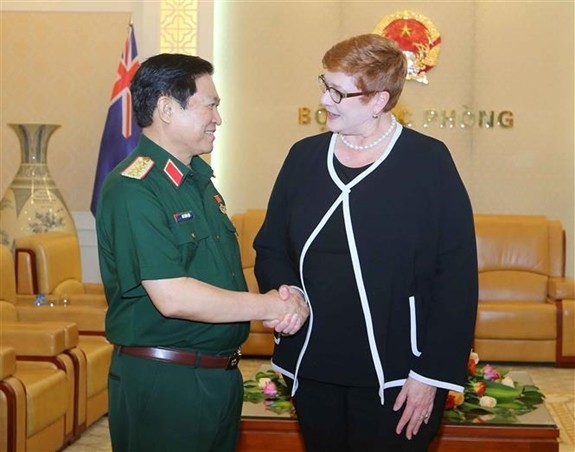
(121, 133)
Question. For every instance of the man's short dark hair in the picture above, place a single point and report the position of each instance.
(166, 74)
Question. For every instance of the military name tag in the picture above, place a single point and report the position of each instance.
(183, 216)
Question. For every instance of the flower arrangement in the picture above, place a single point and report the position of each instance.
(490, 395)
(269, 387)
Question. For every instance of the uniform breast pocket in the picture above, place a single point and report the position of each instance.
(189, 236)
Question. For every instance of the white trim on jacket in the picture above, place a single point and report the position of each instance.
(343, 199)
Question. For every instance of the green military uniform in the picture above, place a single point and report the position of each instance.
(158, 219)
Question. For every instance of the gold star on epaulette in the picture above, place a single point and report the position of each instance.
(139, 168)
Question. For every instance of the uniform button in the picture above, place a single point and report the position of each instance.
(218, 237)
(193, 235)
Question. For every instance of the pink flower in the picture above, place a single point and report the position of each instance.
(270, 389)
(489, 373)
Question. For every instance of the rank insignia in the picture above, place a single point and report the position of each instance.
(139, 168)
(173, 172)
(221, 204)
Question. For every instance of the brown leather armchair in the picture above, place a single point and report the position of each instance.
(23, 336)
(50, 263)
(47, 372)
(260, 341)
(526, 305)
(93, 353)
(12, 404)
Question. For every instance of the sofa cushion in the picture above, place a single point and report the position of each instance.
(512, 286)
(512, 242)
(516, 320)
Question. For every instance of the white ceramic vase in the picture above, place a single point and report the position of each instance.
(32, 203)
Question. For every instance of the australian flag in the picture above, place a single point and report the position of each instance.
(121, 133)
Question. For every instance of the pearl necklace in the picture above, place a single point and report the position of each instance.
(375, 143)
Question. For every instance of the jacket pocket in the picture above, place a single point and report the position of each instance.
(189, 232)
(188, 236)
(413, 326)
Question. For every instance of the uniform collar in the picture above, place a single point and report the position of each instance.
(172, 168)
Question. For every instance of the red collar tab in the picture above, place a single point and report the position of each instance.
(173, 172)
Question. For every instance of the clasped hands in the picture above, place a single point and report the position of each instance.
(294, 311)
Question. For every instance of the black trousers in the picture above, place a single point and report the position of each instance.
(335, 418)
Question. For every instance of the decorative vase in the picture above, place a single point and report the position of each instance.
(32, 203)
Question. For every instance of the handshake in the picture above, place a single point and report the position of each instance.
(290, 310)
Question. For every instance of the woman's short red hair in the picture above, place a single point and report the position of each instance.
(377, 64)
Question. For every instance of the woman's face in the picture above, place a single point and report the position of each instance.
(352, 114)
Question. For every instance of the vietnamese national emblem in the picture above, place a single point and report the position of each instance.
(417, 37)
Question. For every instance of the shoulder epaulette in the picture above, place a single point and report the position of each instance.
(139, 168)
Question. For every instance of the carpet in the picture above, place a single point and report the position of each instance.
(558, 385)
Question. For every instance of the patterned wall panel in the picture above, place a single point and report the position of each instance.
(179, 25)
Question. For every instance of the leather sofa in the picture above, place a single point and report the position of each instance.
(44, 370)
(526, 307)
(12, 404)
(37, 349)
(49, 263)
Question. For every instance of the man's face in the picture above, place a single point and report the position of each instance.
(193, 128)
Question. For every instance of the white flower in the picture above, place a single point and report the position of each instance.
(474, 356)
(263, 382)
(508, 381)
(487, 402)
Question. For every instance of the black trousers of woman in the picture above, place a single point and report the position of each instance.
(335, 418)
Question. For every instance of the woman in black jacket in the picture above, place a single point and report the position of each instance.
(372, 224)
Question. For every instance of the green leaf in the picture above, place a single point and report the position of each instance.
(454, 415)
(502, 392)
(515, 405)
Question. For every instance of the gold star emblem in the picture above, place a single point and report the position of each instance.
(405, 30)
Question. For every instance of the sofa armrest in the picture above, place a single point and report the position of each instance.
(33, 339)
(94, 288)
(566, 347)
(561, 288)
(89, 319)
(7, 362)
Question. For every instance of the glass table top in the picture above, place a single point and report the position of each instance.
(539, 417)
